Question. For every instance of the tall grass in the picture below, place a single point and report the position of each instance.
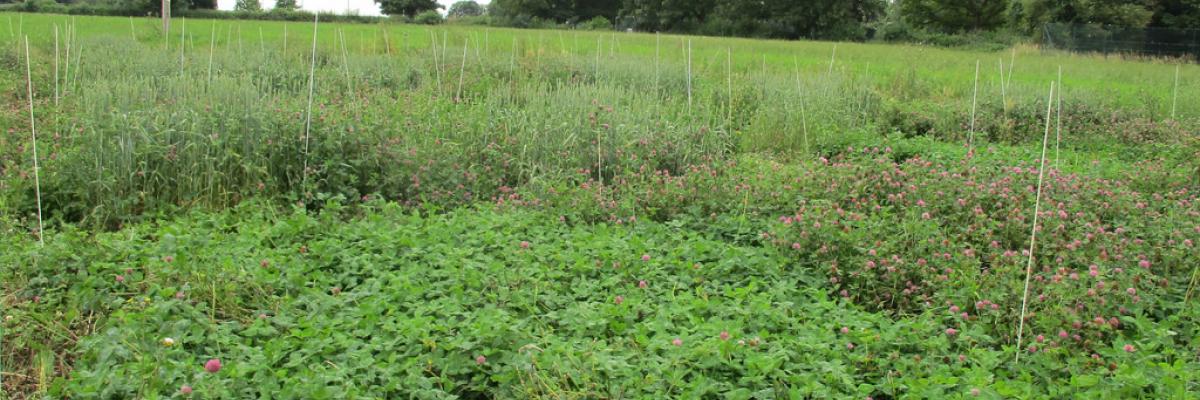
(149, 130)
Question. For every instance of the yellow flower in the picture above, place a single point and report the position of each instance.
(168, 342)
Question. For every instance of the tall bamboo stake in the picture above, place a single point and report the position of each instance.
(166, 16)
(832, 58)
(387, 42)
(612, 45)
(55, 65)
(346, 61)
(729, 85)
(689, 73)
(1037, 204)
(803, 111)
(437, 70)
(1058, 118)
(462, 71)
(68, 27)
(182, 43)
(764, 75)
(212, 41)
(1003, 92)
(974, 97)
(78, 65)
(657, 49)
(312, 70)
(1175, 92)
(37, 182)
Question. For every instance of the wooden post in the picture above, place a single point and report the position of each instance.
(166, 16)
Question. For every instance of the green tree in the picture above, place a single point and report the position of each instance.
(465, 8)
(557, 10)
(248, 5)
(667, 15)
(428, 17)
(954, 16)
(409, 8)
(286, 5)
(1184, 14)
(1124, 13)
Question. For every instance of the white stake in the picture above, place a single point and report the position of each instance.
(657, 49)
(832, 58)
(437, 70)
(462, 71)
(387, 43)
(599, 46)
(55, 64)
(1175, 93)
(612, 45)
(729, 84)
(689, 73)
(346, 62)
(67, 40)
(1058, 118)
(78, 55)
(132, 32)
(182, 43)
(37, 183)
(764, 75)
(262, 45)
(1003, 94)
(312, 70)
(803, 112)
(212, 41)
(1037, 204)
(974, 96)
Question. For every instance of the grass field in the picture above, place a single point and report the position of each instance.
(471, 212)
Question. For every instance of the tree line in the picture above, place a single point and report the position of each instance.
(901, 20)
(823, 19)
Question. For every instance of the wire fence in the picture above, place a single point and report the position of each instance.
(1161, 42)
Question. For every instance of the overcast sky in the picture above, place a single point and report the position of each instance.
(362, 7)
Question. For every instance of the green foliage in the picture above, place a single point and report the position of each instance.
(380, 254)
(597, 24)
(465, 8)
(408, 8)
(430, 17)
(286, 5)
(1123, 13)
(953, 16)
(248, 6)
(510, 303)
(1181, 14)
